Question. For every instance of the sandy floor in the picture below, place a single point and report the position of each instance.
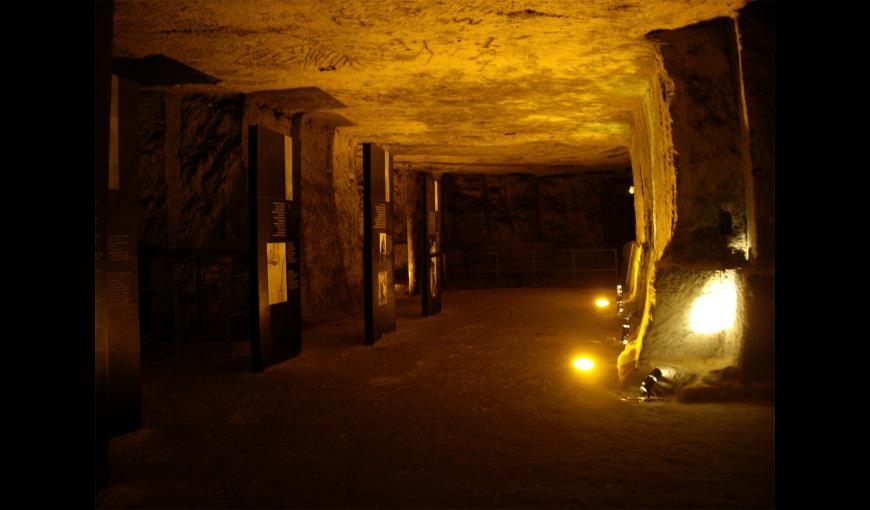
(476, 407)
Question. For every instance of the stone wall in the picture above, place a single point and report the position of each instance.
(331, 198)
(693, 152)
(193, 229)
(573, 210)
(710, 153)
(533, 223)
(694, 207)
(194, 212)
(655, 204)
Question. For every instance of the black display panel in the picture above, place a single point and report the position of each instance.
(274, 201)
(380, 295)
(430, 254)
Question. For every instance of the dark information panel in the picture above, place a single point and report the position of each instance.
(380, 295)
(119, 253)
(274, 179)
(103, 14)
(430, 282)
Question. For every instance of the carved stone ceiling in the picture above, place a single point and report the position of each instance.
(545, 82)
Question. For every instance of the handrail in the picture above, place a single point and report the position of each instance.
(192, 282)
(535, 262)
(175, 288)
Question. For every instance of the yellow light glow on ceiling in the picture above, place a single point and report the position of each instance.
(602, 303)
(584, 364)
(715, 309)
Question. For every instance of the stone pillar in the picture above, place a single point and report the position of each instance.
(708, 144)
(325, 290)
(416, 226)
(347, 180)
(709, 244)
(756, 26)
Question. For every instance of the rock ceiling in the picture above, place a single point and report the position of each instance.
(496, 82)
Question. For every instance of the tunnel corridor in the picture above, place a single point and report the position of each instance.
(347, 254)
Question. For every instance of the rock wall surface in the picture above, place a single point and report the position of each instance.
(698, 154)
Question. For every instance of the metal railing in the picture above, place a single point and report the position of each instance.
(178, 295)
(565, 266)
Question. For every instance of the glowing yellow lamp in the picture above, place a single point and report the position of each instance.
(631, 189)
(716, 308)
(584, 364)
(602, 303)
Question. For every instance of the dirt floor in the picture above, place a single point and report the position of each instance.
(476, 407)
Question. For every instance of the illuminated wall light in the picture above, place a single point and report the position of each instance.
(667, 373)
(626, 329)
(602, 303)
(631, 190)
(620, 304)
(716, 308)
(584, 364)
